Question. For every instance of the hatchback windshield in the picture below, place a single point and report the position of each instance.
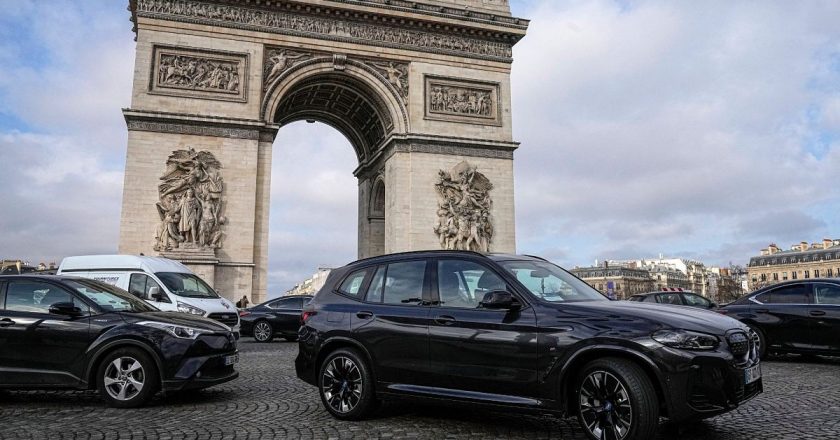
(551, 283)
(109, 298)
(186, 284)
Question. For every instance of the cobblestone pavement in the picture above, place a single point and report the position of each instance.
(801, 400)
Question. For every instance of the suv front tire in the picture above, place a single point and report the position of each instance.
(127, 378)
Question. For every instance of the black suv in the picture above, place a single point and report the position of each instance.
(68, 332)
(517, 331)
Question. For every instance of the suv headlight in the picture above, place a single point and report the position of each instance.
(179, 331)
(186, 308)
(686, 339)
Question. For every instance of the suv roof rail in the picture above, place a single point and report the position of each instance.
(425, 251)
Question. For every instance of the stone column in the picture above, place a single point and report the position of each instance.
(261, 215)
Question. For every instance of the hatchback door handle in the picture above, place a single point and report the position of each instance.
(445, 320)
(364, 315)
(817, 313)
(5, 322)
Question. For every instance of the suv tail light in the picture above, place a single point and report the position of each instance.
(306, 315)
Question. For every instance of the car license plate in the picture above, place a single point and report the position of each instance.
(752, 374)
(232, 359)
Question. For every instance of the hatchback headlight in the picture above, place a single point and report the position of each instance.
(186, 308)
(686, 339)
(179, 331)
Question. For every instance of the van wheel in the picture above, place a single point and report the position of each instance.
(615, 399)
(127, 378)
(346, 385)
(263, 331)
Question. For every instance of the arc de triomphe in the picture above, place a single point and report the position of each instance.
(420, 89)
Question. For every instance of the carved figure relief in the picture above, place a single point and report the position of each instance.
(190, 206)
(396, 74)
(198, 73)
(293, 23)
(466, 101)
(278, 61)
(465, 221)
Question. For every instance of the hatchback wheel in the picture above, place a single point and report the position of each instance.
(263, 331)
(346, 385)
(616, 401)
(127, 378)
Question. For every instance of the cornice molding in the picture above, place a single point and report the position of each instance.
(198, 125)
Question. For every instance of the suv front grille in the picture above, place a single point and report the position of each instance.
(228, 319)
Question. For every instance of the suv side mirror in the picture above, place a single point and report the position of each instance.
(154, 293)
(712, 304)
(499, 299)
(65, 309)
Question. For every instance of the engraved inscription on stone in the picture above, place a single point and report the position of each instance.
(190, 205)
(333, 28)
(199, 73)
(464, 214)
(278, 60)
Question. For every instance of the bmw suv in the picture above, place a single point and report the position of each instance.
(517, 331)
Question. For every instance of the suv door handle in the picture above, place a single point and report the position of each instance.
(364, 315)
(817, 313)
(445, 320)
(762, 310)
(5, 322)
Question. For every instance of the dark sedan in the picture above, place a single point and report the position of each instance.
(276, 317)
(793, 317)
(690, 299)
(68, 332)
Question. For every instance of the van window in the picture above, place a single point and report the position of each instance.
(140, 286)
(186, 284)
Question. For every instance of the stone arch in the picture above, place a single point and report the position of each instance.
(375, 240)
(372, 108)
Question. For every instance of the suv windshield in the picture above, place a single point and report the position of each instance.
(186, 284)
(551, 283)
(109, 298)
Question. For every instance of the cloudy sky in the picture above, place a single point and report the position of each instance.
(694, 129)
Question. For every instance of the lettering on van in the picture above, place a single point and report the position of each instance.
(107, 280)
(190, 205)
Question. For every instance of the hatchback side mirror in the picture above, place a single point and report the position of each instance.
(499, 299)
(65, 309)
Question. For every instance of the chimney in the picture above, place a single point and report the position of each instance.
(772, 249)
(827, 243)
(803, 246)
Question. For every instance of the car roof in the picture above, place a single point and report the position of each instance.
(789, 282)
(41, 277)
(443, 253)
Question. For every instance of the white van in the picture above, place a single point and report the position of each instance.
(163, 283)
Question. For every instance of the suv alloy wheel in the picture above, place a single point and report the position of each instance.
(616, 400)
(127, 378)
(346, 385)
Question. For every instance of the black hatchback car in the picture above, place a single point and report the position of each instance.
(517, 331)
(69, 332)
(793, 317)
(276, 317)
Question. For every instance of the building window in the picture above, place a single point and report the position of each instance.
(816, 273)
(775, 276)
(807, 274)
(829, 274)
(784, 276)
(754, 278)
(764, 277)
(793, 275)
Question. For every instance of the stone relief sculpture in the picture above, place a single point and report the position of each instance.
(397, 75)
(287, 22)
(465, 221)
(277, 61)
(461, 101)
(190, 203)
(191, 72)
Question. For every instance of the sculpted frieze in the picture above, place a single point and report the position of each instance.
(465, 221)
(396, 74)
(278, 60)
(190, 203)
(462, 101)
(199, 73)
(324, 27)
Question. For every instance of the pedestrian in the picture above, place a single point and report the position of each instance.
(242, 303)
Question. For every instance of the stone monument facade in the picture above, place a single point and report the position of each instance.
(420, 89)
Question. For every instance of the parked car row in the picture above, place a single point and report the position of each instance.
(462, 327)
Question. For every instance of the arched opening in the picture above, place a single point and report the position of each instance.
(359, 112)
